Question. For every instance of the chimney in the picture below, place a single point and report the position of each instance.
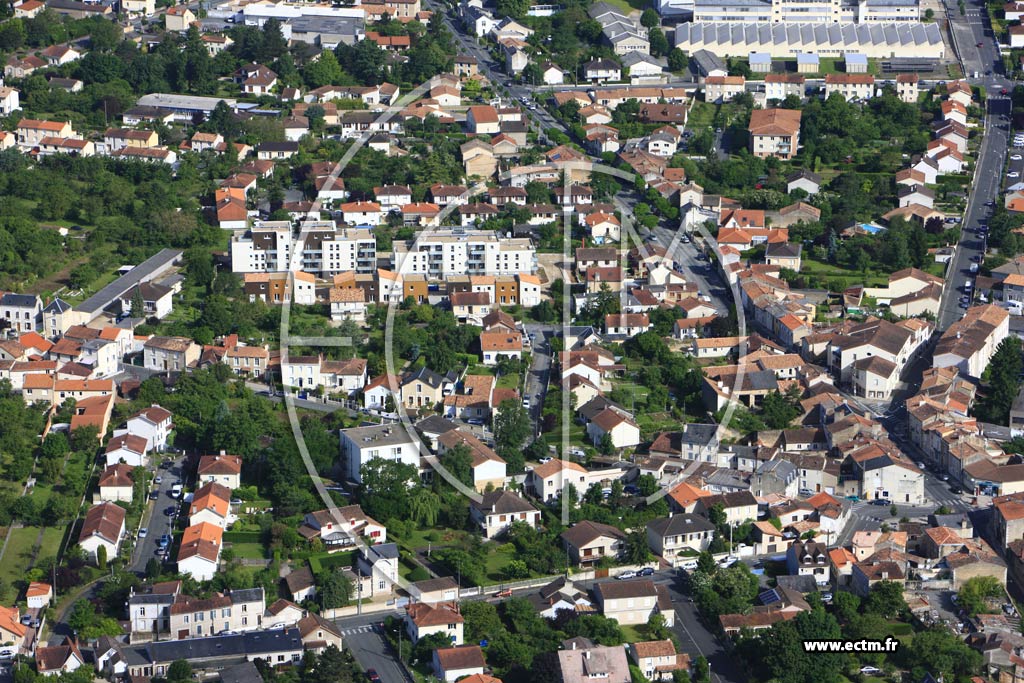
(587, 654)
(574, 644)
(885, 576)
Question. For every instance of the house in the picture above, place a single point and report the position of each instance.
(154, 424)
(423, 619)
(360, 445)
(588, 542)
(678, 536)
(739, 506)
(127, 448)
(116, 483)
(597, 663)
(199, 553)
(719, 89)
(223, 469)
(907, 87)
(452, 663)
(170, 354)
(59, 55)
(497, 510)
(211, 503)
(478, 158)
(9, 101)
(783, 255)
(809, 558)
(488, 469)
(301, 583)
(547, 481)
(482, 120)
(103, 528)
(21, 312)
(658, 660)
(238, 610)
(779, 86)
(969, 343)
(915, 194)
(178, 18)
(54, 660)
(774, 133)
(804, 180)
(634, 601)
(38, 595)
(552, 74)
(850, 86)
(602, 70)
(626, 324)
(618, 425)
(338, 528)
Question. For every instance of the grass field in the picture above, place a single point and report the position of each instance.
(17, 559)
(248, 551)
(827, 270)
(497, 558)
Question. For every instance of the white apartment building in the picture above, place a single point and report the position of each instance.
(326, 251)
(360, 445)
(464, 252)
(807, 11)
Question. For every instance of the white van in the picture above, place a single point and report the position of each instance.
(176, 491)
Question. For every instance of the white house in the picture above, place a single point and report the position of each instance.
(199, 553)
(360, 445)
(103, 528)
(154, 424)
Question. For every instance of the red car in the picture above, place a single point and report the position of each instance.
(372, 675)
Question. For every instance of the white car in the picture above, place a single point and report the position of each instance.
(727, 562)
(689, 565)
(1013, 174)
(1016, 157)
(628, 574)
(870, 670)
(143, 532)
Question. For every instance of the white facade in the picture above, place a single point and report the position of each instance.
(389, 442)
(464, 252)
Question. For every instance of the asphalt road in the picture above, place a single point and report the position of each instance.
(540, 370)
(154, 519)
(987, 185)
(372, 651)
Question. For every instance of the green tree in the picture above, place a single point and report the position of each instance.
(677, 60)
(180, 671)
(637, 550)
(333, 589)
(459, 463)
(649, 18)
(886, 599)
(385, 488)
(1001, 381)
(977, 591)
(424, 506)
(511, 428)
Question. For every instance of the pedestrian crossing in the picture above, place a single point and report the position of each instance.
(356, 629)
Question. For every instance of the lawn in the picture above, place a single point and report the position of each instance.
(828, 270)
(629, 5)
(17, 559)
(248, 551)
(498, 557)
(508, 382)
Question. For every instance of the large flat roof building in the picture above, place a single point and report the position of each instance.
(875, 41)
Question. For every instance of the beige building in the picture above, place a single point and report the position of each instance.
(634, 602)
(498, 510)
(678, 536)
(774, 133)
(170, 354)
(588, 542)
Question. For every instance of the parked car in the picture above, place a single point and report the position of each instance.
(646, 571)
(507, 593)
(689, 565)
(881, 501)
(728, 561)
(628, 574)
(870, 670)
(143, 532)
